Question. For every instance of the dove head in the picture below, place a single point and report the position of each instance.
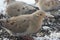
(42, 4)
(42, 14)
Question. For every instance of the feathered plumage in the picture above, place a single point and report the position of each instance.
(25, 24)
(48, 5)
(16, 8)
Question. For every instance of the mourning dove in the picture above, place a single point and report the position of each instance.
(48, 5)
(15, 8)
(25, 24)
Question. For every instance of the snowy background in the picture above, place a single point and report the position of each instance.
(2, 5)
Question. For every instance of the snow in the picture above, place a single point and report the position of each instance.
(53, 36)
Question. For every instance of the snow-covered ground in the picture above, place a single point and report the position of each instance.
(52, 36)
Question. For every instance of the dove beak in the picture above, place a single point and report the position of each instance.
(49, 15)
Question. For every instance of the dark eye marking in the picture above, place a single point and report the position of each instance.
(23, 8)
(12, 23)
(7, 21)
(18, 10)
(24, 20)
(40, 14)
